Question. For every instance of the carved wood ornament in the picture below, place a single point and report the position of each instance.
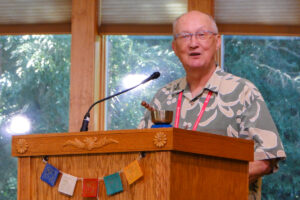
(90, 143)
(22, 146)
(160, 139)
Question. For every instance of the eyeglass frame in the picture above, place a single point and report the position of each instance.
(185, 36)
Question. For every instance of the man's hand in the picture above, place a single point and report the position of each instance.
(260, 168)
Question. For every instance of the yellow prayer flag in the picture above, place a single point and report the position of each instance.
(133, 172)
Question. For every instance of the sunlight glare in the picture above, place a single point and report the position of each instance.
(19, 125)
(133, 79)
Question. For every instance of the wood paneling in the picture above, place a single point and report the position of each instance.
(226, 29)
(24, 177)
(167, 176)
(206, 6)
(82, 78)
(186, 143)
(150, 29)
(102, 77)
(98, 83)
(136, 29)
(256, 29)
(154, 185)
(170, 172)
(132, 140)
(210, 172)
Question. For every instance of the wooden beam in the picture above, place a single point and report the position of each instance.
(136, 29)
(226, 29)
(24, 176)
(102, 83)
(258, 29)
(83, 52)
(28, 29)
(149, 29)
(206, 6)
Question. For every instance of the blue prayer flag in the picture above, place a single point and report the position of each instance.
(113, 183)
(50, 174)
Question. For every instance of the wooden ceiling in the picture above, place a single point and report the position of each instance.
(234, 12)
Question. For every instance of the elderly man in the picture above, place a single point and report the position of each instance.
(211, 100)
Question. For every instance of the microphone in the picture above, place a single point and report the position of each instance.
(153, 76)
(86, 119)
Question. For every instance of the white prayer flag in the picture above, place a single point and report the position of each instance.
(67, 184)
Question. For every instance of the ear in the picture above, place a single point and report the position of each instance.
(218, 42)
(174, 46)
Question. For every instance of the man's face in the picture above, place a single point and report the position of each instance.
(195, 52)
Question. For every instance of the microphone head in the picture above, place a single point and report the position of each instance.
(155, 75)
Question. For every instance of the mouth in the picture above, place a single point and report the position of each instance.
(195, 54)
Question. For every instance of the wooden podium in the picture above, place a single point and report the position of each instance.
(179, 164)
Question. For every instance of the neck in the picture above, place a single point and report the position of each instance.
(197, 80)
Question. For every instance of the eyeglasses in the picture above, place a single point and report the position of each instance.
(202, 35)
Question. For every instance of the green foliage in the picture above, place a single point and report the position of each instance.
(273, 65)
(34, 81)
(136, 55)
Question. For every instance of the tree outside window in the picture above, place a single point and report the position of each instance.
(34, 94)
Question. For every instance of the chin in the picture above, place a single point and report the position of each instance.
(196, 66)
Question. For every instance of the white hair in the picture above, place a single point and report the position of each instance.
(213, 22)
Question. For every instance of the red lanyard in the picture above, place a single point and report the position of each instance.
(178, 108)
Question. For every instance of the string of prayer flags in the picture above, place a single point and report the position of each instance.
(67, 184)
(113, 183)
(90, 187)
(133, 172)
(50, 174)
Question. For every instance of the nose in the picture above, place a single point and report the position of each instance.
(193, 43)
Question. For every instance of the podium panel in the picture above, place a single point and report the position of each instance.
(179, 164)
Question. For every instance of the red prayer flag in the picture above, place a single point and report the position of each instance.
(90, 188)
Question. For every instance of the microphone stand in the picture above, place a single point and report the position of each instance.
(86, 118)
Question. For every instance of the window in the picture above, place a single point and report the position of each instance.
(273, 65)
(130, 59)
(34, 94)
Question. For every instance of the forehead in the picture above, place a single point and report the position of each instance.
(192, 22)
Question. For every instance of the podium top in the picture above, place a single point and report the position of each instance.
(159, 139)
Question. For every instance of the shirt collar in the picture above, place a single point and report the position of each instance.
(213, 83)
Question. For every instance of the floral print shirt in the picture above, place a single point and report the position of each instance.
(236, 109)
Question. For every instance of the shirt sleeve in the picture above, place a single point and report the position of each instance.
(257, 124)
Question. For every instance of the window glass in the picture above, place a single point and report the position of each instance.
(130, 59)
(34, 94)
(273, 65)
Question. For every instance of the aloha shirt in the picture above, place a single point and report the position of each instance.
(236, 109)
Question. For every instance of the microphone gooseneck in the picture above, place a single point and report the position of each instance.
(86, 119)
